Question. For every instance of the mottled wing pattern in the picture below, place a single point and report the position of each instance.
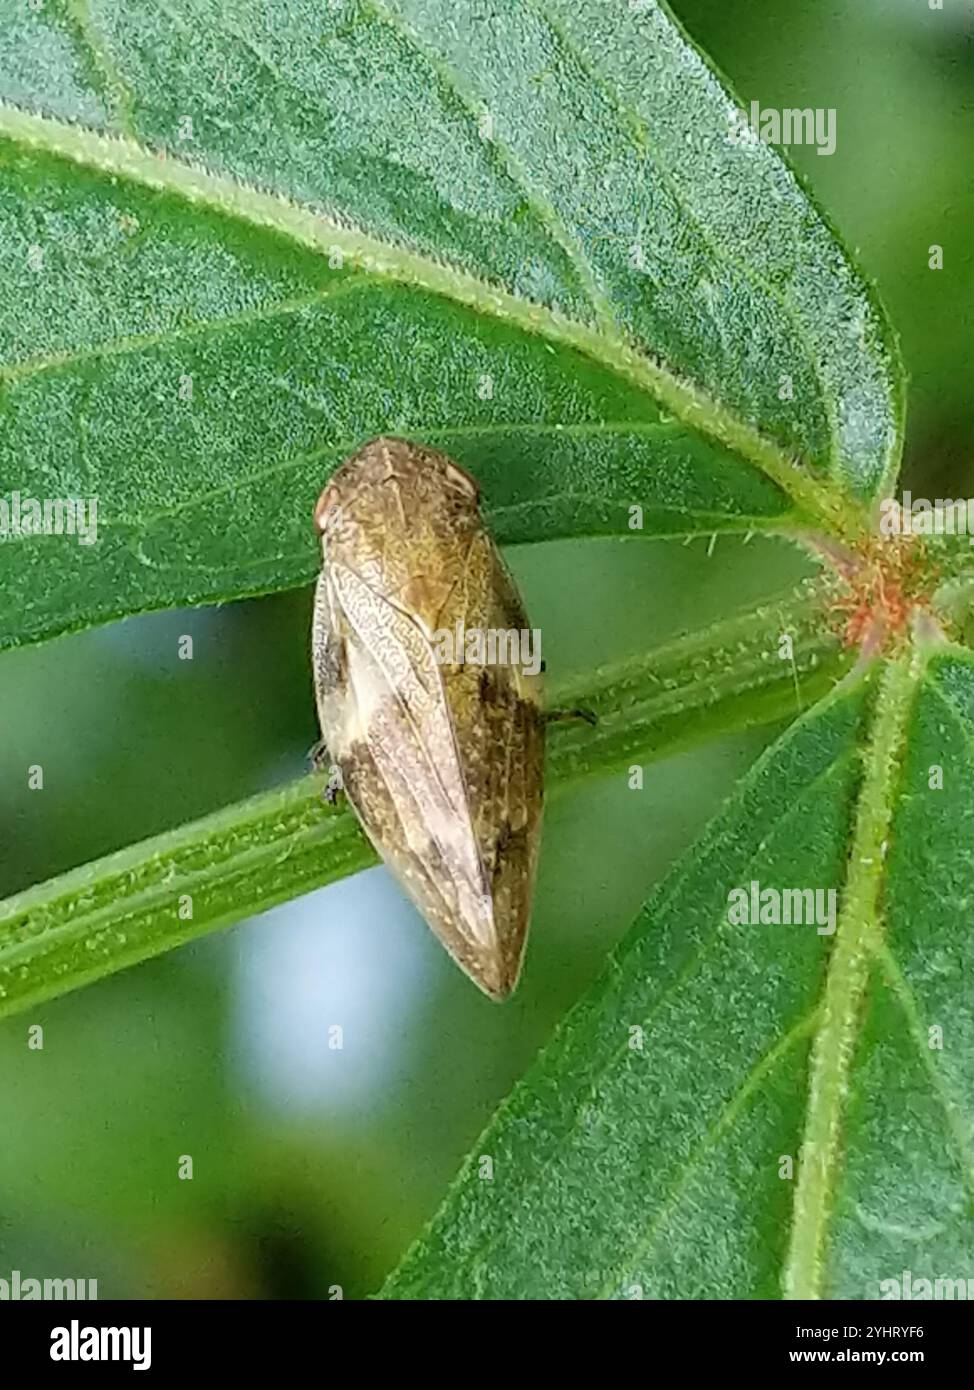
(389, 729)
(497, 713)
(442, 762)
(408, 731)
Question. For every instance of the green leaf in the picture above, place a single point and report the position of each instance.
(236, 244)
(180, 885)
(904, 1196)
(645, 1154)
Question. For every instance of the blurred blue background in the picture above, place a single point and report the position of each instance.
(315, 1165)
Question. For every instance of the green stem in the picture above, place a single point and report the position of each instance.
(168, 890)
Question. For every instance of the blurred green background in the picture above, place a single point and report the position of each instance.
(314, 1167)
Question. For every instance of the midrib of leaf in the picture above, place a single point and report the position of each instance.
(858, 936)
(823, 502)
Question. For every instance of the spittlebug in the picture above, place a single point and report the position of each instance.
(438, 738)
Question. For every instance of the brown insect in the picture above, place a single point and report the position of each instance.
(438, 739)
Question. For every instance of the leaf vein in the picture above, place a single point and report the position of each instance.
(763, 1068)
(314, 228)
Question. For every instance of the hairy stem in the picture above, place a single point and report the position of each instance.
(177, 886)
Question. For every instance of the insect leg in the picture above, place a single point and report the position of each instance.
(318, 756)
(334, 787)
(560, 716)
